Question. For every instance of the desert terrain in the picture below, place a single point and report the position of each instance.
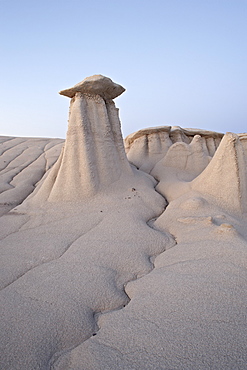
(122, 254)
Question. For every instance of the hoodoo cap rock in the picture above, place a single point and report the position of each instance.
(96, 85)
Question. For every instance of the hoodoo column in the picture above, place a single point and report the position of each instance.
(94, 155)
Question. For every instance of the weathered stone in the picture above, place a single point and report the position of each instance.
(95, 85)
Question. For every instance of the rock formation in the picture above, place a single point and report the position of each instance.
(93, 155)
(225, 178)
(95, 85)
(147, 147)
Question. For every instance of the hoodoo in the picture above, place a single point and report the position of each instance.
(225, 177)
(93, 155)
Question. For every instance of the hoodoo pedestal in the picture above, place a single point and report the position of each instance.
(94, 155)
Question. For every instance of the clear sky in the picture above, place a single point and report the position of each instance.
(182, 62)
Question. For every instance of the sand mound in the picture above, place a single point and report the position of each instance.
(98, 271)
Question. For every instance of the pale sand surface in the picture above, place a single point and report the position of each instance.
(23, 162)
(98, 271)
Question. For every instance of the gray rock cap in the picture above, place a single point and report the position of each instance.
(96, 84)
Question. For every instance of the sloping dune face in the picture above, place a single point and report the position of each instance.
(98, 270)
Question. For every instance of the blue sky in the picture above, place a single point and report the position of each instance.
(182, 62)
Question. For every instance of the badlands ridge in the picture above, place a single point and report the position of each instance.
(122, 254)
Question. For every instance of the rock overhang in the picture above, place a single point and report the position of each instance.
(95, 85)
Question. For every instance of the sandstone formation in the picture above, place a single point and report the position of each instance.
(146, 147)
(225, 178)
(93, 155)
(106, 266)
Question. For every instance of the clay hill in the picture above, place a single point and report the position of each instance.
(122, 254)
